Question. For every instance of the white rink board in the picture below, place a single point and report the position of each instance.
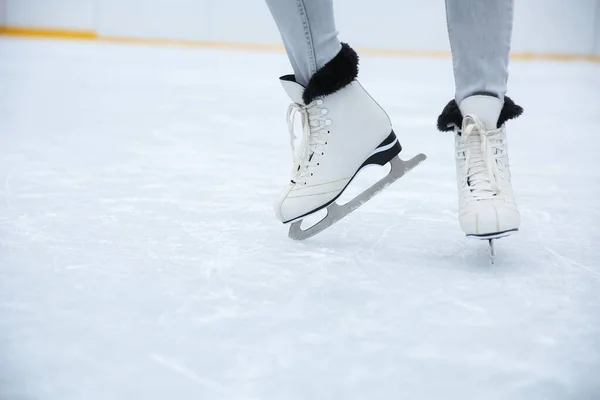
(65, 14)
(542, 26)
(170, 19)
(2, 12)
(140, 257)
(597, 33)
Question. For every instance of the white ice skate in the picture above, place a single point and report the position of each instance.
(342, 133)
(487, 208)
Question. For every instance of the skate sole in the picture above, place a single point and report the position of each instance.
(496, 235)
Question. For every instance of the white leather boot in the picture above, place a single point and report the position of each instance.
(343, 130)
(487, 207)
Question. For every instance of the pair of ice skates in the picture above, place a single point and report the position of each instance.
(345, 130)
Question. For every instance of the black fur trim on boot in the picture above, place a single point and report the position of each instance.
(337, 73)
(452, 117)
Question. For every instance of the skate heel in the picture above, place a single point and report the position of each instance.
(385, 152)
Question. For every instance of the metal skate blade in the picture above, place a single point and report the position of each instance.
(491, 240)
(336, 212)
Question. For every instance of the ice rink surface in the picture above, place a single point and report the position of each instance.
(140, 257)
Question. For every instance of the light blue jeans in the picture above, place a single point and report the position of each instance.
(479, 30)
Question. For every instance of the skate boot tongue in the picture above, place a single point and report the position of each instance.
(481, 115)
(486, 108)
(481, 166)
(293, 89)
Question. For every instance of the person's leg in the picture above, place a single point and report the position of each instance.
(307, 28)
(480, 37)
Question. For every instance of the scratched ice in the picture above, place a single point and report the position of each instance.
(140, 257)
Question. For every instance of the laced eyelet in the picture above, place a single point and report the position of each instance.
(324, 111)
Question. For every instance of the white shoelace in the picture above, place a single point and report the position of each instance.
(482, 170)
(314, 135)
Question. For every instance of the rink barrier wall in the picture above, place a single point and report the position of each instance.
(596, 44)
(90, 35)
